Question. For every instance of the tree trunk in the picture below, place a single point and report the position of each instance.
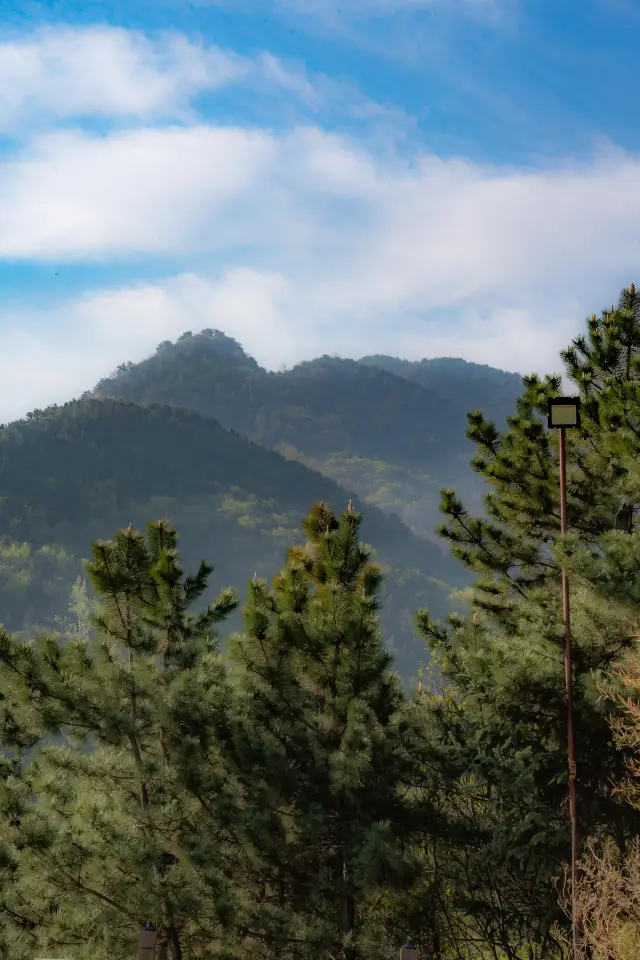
(349, 915)
(174, 940)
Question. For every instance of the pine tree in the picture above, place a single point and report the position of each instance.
(608, 893)
(504, 659)
(18, 919)
(105, 836)
(328, 729)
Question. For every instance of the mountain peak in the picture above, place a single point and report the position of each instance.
(208, 341)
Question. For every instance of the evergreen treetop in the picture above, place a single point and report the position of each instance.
(329, 728)
(102, 833)
(504, 659)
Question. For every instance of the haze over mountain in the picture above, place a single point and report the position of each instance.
(392, 430)
(466, 385)
(235, 456)
(426, 187)
(75, 473)
(320, 407)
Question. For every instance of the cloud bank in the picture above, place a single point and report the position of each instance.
(65, 73)
(307, 241)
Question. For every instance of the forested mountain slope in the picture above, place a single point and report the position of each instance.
(74, 473)
(322, 407)
(381, 432)
(466, 385)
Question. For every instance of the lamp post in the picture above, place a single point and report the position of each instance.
(408, 952)
(147, 943)
(564, 414)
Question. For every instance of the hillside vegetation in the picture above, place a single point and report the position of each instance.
(72, 474)
(392, 431)
(467, 386)
(283, 795)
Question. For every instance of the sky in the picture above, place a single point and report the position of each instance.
(416, 177)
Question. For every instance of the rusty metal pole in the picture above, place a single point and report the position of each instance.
(568, 679)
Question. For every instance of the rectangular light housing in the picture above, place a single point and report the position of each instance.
(564, 412)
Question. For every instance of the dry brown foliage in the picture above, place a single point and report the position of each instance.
(608, 901)
(608, 887)
(626, 725)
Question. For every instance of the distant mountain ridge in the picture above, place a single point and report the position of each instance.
(392, 430)
(236, 455)
(467, 385)
(405, 411)
(78, 472)
(126, 445)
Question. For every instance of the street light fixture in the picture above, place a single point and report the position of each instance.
(563, 414)
(408, 952)
(147, 943)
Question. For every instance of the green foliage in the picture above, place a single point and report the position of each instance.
(34, 582)
(390, 430)
(505, 663)
(322, 407)
(71, 474)
(410, 493)
(264, 805)
(101, 834)
(327, 728)
(287, 799)
(467, 386)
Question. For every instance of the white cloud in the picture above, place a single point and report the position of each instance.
(371, 235)
(321, 94)
(61, 73)
(151, 190)
(509, 339)
(306, 242)
(334, 250)
(136, 318)
(51, 355)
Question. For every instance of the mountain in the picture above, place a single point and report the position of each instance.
(74, 473)
(391, 430)
(468, 386)
(321, 407)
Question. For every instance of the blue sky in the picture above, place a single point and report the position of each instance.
(417, 177)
